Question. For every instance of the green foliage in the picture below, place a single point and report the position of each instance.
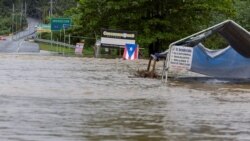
(215, 42)
(243, 13)
(41, 8)
(87, 51)
(158, 22)
(9, 19)
(56, 48)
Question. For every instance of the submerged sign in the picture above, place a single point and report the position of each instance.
(117, 38)
(181, 58)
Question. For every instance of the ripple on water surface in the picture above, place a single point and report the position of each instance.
(56, 98)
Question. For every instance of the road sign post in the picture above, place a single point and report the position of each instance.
(57, 24)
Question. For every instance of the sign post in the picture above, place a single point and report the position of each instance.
(57, 24)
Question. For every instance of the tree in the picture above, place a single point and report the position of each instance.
(41, 8)
(158, 22)
(243, 13)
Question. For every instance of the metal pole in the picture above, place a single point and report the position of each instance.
(51, 39)
(69, 43)
(44, 15)
(21, 16)
(64, 40)
(60, 35)
(69, 39)
(16, 19)
(25, 8)
(57, 46)
(51, 8)
(51, 14)
(63, 51)
(13, 20)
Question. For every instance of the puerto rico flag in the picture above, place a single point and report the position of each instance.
(131, 52)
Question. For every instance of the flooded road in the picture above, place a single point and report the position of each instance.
(52, 98)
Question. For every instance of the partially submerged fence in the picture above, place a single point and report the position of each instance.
(54, 43)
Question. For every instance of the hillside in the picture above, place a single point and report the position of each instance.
(41, 8)
(13, 21)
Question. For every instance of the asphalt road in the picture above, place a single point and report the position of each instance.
(17, 43)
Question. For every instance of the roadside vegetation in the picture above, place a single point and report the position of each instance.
(157, 22)
(11, 21)
(66, 51)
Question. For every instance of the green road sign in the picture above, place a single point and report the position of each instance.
(60, 23)
(43, 28)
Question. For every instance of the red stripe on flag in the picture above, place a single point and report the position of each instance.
(136, 52)
(124, 53)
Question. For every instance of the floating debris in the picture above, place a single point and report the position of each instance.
(147, 74)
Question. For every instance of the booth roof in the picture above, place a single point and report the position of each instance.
(236, 36)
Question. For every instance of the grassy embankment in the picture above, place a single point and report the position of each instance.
(87, 51)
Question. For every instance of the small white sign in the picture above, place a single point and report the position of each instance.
(79, 48)
(181, 58)
(116, 42)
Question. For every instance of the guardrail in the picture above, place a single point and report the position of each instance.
(22, 34)
(54, 42)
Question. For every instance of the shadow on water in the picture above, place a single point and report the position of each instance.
(208, 83)
(129, 120)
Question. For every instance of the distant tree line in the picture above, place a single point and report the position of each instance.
(42, 8)
(11, 21)
(158, 22)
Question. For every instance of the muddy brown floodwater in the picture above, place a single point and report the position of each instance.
(52, 98)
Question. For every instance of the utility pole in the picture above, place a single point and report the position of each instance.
(13, 20)
(21, 16)
(25, 8)
(16, 20)
(51, 8)
(51, 15)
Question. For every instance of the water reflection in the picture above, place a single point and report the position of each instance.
(127, 120)
(28, 118)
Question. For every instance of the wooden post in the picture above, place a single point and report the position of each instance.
(152, 72)
(149, 64)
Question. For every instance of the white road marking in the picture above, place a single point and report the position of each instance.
(19, 45)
